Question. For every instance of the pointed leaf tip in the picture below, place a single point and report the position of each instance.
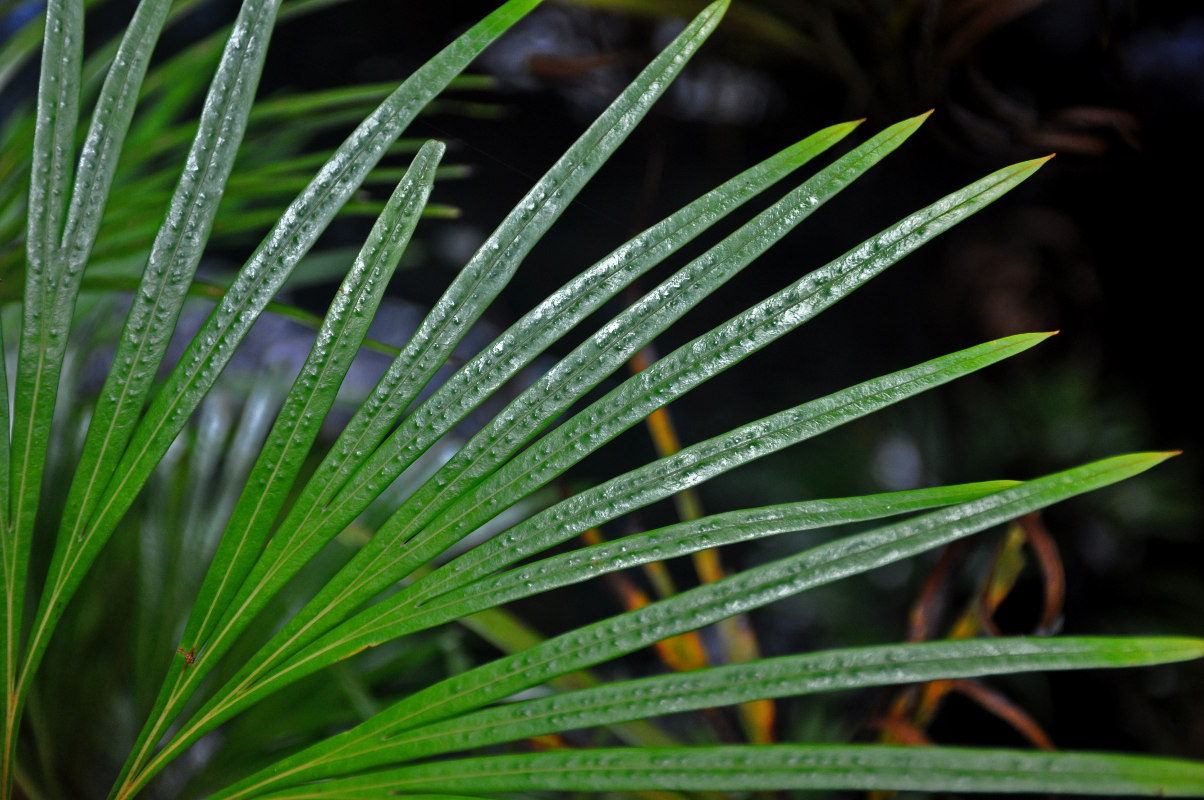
(1150, 459)
(834, 132)
(1025, 340)
(915, 122)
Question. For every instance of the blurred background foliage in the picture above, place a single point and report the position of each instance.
(1096, 246)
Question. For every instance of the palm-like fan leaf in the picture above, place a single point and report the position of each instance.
(285, 515)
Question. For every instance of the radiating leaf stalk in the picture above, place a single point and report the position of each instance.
(789, 676)
(1006, 710)
(912, 710)
(779, 767)
(1052, 572)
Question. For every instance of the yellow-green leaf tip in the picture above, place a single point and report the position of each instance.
(1157, 456)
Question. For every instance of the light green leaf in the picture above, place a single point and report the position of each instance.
(770, 767)
(43, 332)
(378, 563)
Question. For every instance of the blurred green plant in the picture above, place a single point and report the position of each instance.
(276, 159)
(266, 565)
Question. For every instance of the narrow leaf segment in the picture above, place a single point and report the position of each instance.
(770, 767)
(363, 748)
